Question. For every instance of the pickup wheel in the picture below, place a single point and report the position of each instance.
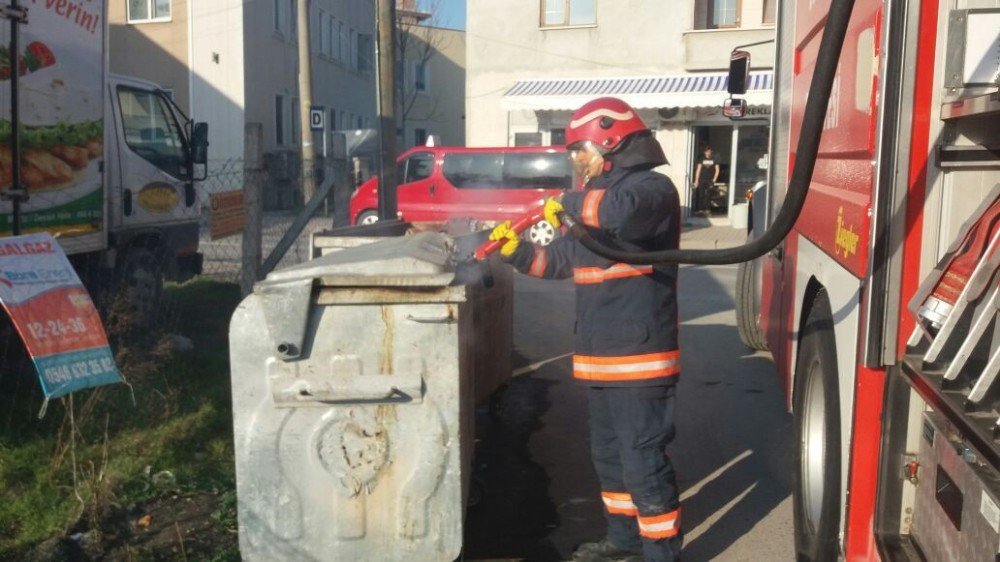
(748, 306)
(367, 217)
(816, 417)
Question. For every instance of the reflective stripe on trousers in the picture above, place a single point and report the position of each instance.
(624, 368)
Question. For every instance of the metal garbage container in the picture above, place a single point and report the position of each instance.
(353, 395)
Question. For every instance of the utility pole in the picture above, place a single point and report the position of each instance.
(305, 102)
(385, 59)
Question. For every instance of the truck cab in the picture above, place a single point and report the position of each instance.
(151, 176)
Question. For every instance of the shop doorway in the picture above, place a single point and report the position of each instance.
(720, 140)
(740, 151)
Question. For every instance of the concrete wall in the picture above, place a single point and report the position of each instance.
(440, 110)
(154, 51)
(217, 64)
(505, 44)
(272, 68)
(706, 50)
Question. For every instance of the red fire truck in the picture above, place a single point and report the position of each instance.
(880, 307)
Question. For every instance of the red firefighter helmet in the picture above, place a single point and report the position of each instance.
(605, 122)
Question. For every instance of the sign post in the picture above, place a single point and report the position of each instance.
(54, 315)
(317, 123)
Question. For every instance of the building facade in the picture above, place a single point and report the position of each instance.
(530, 63)
(432, 79)
(233, 62)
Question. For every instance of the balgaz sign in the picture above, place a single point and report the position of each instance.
(54, 315)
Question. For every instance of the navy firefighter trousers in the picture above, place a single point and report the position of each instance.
(629, 430)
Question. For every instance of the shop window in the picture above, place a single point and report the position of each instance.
(144, 11)
(564, 13)
(716, 14)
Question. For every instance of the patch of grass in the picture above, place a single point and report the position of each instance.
(66, 472)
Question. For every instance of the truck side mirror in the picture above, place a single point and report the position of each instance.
(735, 108)
(199, 143)
(739, 72)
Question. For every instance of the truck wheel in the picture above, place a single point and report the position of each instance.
(748, 306)
(367, 217)
(140, 284)
(816, 416)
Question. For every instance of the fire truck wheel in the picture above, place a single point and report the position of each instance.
(748, 306)
(816, 415)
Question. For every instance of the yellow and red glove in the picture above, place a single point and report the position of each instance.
(553, 207)
(504, 231)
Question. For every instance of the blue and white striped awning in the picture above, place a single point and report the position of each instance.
(680, 90)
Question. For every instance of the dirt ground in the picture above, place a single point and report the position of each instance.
(177, 527)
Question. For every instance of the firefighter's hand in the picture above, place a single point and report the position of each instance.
(503, 231)
(552, 209)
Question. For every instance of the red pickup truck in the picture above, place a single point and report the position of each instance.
(439, 183)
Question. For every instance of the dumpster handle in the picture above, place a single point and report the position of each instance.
(449, 319)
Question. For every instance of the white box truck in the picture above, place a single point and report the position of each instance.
(108, 164)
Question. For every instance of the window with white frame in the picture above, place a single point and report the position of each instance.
(279, 120)
(352, 47)
(345, 49)
(366, 52)
(322, 38)
(296, 122)
(293, 20)
(769, 11)
(420, 76)
(280, 15)
(717, 14)
(564, 13)
(143, 11)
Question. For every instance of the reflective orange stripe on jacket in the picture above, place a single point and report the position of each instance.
(619, 503)
(591, 203)
(660, 526)
(589, 275)
(627, 367)
(538, 264)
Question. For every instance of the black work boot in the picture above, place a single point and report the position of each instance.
(604, 551)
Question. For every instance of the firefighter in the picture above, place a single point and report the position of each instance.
(626, 348)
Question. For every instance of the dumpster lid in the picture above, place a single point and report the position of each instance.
(421, 260)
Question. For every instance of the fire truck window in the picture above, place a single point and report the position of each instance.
(547, 170)
(419, 167)
(473, 171)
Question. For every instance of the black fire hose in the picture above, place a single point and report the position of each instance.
(825, 71)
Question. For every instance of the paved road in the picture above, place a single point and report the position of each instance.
(732, 452)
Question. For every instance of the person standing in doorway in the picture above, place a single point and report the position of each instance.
(705, 169)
